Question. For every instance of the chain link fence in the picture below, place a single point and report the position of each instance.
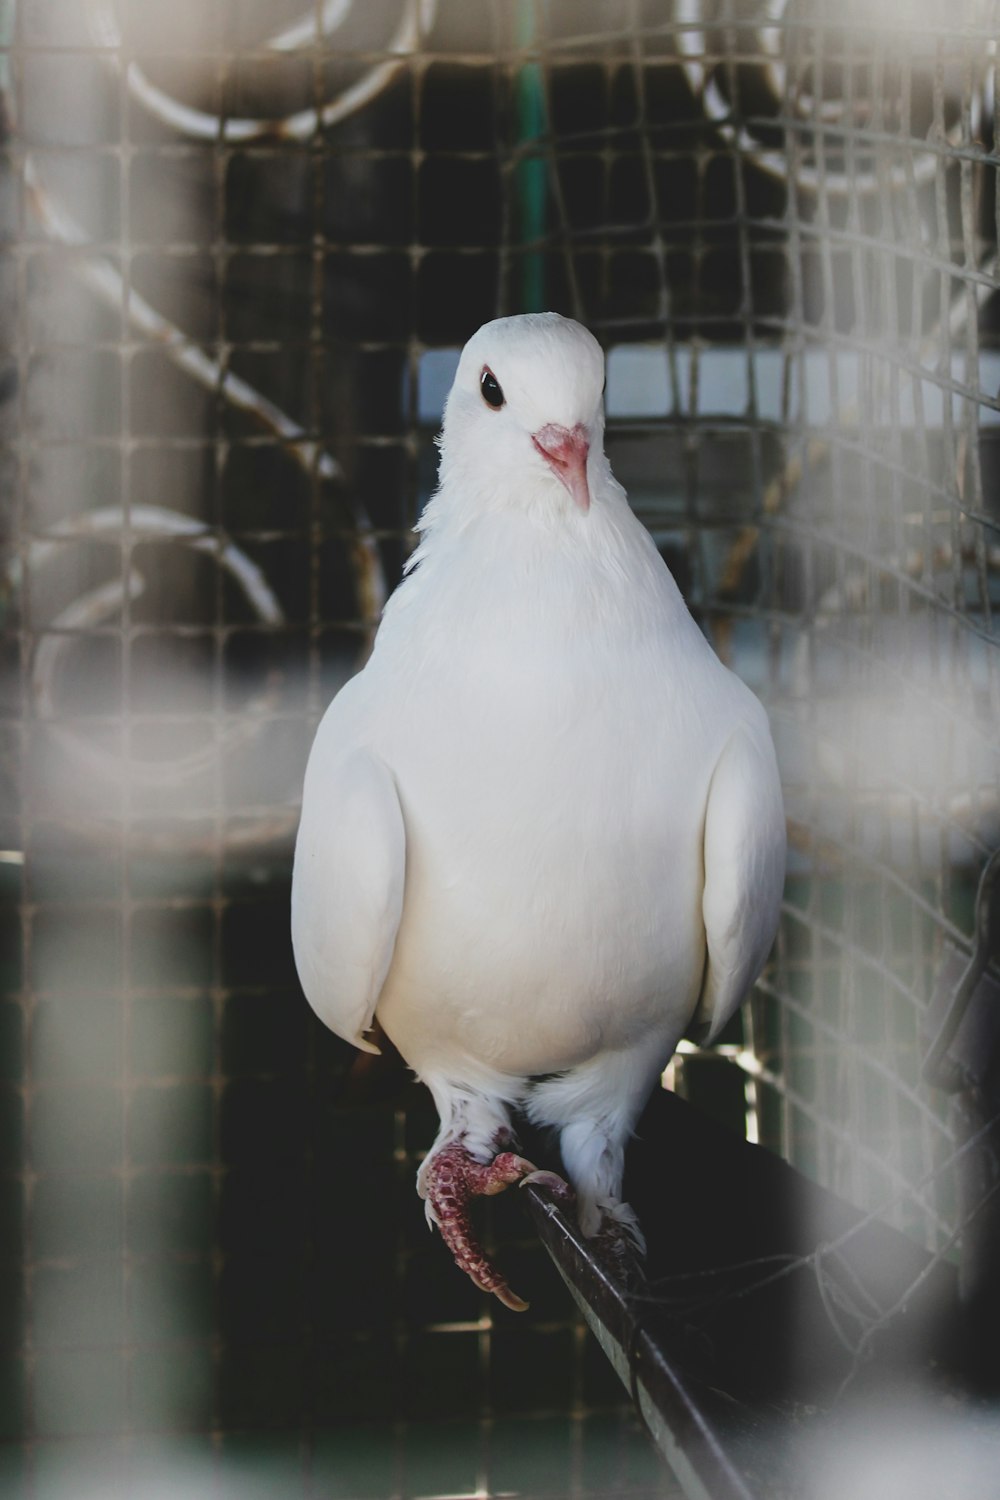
(241, 246)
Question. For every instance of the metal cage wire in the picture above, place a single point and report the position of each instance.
(242, 245)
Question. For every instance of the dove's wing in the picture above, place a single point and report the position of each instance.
(744, 872)
(347, 888)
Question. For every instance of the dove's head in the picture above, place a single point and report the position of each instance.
(525, 418)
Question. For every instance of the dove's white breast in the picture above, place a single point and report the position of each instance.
(551, 718)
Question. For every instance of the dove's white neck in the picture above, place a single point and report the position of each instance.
(535, 573)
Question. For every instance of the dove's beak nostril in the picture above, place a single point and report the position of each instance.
(565, 451)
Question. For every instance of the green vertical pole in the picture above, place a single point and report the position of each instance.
(7, 12)
(530, 179)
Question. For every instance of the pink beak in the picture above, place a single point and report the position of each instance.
(565, 453)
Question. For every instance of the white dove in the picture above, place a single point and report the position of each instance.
(542, 832)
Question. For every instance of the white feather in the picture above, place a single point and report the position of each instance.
(347, 885)
(594, 838)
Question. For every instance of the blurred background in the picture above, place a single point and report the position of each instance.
(241, 244)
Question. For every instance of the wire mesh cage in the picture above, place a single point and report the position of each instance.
(241, 246)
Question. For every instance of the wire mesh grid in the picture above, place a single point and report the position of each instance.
(241, 247)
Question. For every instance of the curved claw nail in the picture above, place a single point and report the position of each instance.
(502, 1290)
(510, 1299)
(557, 1186)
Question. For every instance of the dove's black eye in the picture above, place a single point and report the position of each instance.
(490, 387)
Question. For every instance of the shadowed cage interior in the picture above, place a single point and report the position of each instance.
(242, 244)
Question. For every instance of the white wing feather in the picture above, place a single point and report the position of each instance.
(744, 872)
(347, 887)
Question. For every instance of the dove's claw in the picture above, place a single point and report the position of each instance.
(554, 1184)
(620, 1241)
(510, 1299)
(451, 1178)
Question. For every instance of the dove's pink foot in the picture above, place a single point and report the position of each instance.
(451, 1178)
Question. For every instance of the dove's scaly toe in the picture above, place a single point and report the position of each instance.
(452, 1178)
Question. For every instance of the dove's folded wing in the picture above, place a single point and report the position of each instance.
(744, 854)
(347, 889)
